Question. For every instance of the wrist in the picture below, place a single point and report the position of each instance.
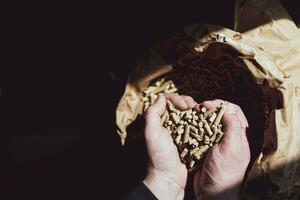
(162, 186)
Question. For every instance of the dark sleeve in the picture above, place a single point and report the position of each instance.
(140, 192)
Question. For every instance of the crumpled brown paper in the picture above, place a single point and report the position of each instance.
(278, 166)
(267, 46)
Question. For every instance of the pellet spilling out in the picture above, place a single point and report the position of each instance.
(152, 92)
(194, 133)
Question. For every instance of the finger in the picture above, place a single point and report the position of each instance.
(212, 104)
(177, 100)
(189, 101)
(234, 121)
(233, 130)
(235, 109)
(209, 104)
(230, 108)
(235, 125)
(152, 116)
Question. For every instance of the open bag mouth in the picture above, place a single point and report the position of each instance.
(217, 73)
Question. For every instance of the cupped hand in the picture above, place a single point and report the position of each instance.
(167, 175)
(226, 163)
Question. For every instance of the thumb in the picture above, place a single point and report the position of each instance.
(152, 116)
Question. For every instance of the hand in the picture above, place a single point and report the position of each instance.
(166, 176)
(226, 163)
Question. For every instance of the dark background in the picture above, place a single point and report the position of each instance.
(65, 77)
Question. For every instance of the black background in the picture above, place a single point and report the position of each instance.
(67, 69)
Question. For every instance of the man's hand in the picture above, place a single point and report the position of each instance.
(166, 176)
(226, 163)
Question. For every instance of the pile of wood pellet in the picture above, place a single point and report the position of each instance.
(193, 132)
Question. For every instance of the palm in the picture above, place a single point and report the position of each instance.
(164, 156)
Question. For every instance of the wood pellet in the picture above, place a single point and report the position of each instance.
(194, 138)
